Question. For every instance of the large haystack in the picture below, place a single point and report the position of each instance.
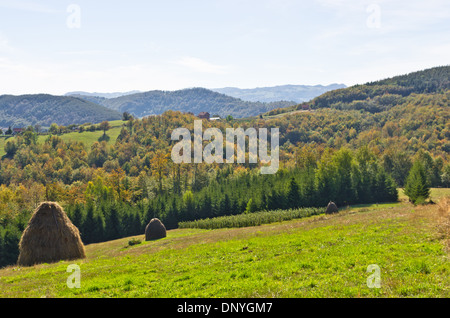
(50, 237)
(331, 208)
(155, 230)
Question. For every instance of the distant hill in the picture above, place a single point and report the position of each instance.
(297, 93)
(193, 100)
(43, 109)
(103, 95)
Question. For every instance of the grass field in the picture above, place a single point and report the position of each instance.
(87, 137)
(318, 256)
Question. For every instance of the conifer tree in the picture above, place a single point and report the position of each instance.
(417, 188)
(293, 194)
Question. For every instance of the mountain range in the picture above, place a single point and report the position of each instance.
(296, 93)
(82, 107)
(104, 95)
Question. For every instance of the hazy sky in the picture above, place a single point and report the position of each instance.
(56, 46)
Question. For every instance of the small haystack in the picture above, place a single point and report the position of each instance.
(331, 208)
(155, 230)
(50, 237)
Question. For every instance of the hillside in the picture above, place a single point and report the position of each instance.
(297, 93)
(379, 96)
(320, 256)
(193, 100)
(43, 109)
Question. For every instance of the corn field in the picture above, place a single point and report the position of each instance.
(251, 219)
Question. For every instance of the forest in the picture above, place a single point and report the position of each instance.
(112, 189)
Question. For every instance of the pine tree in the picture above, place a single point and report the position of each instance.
(88, 227)
(76, 215)
(417, 187)
(293, 194)
(112, 221)
(1, 248)
(251, 206)
(10, 250)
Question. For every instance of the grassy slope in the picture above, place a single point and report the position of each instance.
(87, 137)
(320, 256)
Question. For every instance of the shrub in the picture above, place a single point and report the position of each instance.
(134, 241)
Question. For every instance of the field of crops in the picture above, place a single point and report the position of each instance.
(251, 219)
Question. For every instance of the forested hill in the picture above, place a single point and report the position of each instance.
(382, 95)
(43, 109)
(193, 100)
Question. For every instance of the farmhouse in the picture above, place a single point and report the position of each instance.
(204, 115)
(18, 131)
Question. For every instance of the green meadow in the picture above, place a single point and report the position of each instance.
(316, 256)
(87, 137)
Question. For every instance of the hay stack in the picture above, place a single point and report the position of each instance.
(155, 230)
(331, 208)
(49, 237)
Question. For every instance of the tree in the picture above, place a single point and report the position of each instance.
(432, 168)
(326, 179)
(251, 206)
(385, 189)
(112, 221)
(189, 205)
(37, 128)
(345, 191)
(29, 138)
(11, 148)
(76, 215)
(89, 227)
(293, 194)
(126, 116)
(398, 164)
(159, 167)
(417, 188)
(446, 176)
(53, 130)
(98, 154)
(105, 126)
(9, 252)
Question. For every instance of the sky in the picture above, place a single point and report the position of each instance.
(58, 46)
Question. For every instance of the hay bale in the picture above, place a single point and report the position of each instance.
(49, 237)
(331, 208)
(155, 230)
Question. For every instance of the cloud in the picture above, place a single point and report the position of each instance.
(201, 66)
(5, 47)
(27, 6)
